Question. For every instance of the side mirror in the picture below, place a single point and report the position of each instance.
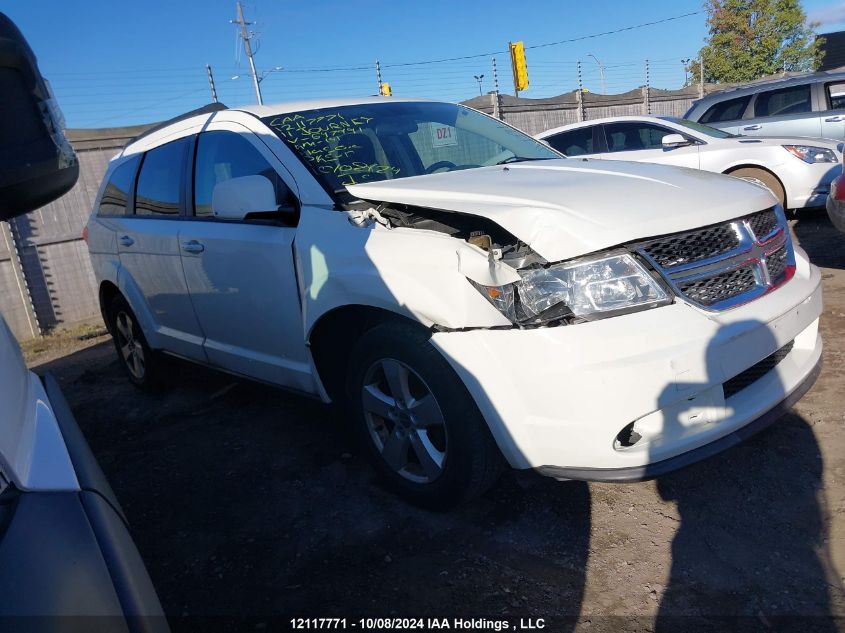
(37, 163)
(235, 198)
(671, 141)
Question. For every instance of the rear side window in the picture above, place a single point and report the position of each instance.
(792, 100)
(836, 96)
(729, 110)
(574, 143)
(224, 155)
(116, 193)
(160, 181)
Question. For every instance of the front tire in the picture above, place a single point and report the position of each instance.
(765, 179)
(419, 425)
(134, 354)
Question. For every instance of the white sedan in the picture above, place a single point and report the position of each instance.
(797, 170)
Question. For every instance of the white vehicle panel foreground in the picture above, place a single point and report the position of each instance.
(33, 455)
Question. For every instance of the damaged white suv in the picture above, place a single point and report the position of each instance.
(472, 296)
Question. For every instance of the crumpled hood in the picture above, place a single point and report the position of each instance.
(570, 207)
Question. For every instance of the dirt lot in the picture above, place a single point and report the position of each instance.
(247, 501)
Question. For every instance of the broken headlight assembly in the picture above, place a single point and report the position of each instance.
(583, 289)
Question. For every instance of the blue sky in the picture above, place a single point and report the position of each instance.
(120, 63)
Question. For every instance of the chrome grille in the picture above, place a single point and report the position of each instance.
(711, 290)
(728, 264)
(776, 263)
(694, 246)
(763, 224)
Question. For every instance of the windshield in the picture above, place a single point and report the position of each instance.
(354, 144)
(701, 128)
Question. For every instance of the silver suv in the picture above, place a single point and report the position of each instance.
(811, 105)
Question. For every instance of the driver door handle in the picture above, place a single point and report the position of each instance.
(125, 240)
(756, 126)
(834, 119)
(193, 247)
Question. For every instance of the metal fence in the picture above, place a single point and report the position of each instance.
(46, 280)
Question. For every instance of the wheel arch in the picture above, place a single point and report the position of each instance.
(759, 167)
(330, 341)
(107, 292)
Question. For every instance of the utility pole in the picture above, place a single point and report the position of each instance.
(700, 77)
(601, 72)
(647, 91)
(580, 94)
(497, 109)
(248, 48)
(211, 83)
(378, 76)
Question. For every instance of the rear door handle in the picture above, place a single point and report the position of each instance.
(192, 247)
(125, 240)
(756, 126)
(833, 119)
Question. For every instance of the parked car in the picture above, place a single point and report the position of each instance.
(810, 105)
(836, 203)
(469, 294)
(796, 170)
(67, 560)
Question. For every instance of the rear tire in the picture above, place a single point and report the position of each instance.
(140, 363)
(765, 178)
(420, 427)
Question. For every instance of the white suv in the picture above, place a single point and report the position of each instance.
(467, 292)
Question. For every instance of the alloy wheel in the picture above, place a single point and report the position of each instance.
(404, 421)
(129, 345)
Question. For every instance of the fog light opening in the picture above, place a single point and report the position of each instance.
(627, 437)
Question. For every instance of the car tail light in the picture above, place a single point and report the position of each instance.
(837, 188)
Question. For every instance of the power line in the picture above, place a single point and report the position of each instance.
(535, 46)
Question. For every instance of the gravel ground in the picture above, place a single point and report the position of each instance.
(247, 502)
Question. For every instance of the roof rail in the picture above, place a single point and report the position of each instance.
(778, 78)
(206, 109)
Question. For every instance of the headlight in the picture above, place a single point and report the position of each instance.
(812, 154)
(587, 288)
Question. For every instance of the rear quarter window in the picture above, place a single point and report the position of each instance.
(116, 193)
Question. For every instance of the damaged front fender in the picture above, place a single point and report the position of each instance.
(420, 274)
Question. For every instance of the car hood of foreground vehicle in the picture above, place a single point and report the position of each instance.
(570, 207)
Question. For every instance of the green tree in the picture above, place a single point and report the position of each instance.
(749, 39)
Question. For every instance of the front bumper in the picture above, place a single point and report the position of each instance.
(808, 185)
(557, 398)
